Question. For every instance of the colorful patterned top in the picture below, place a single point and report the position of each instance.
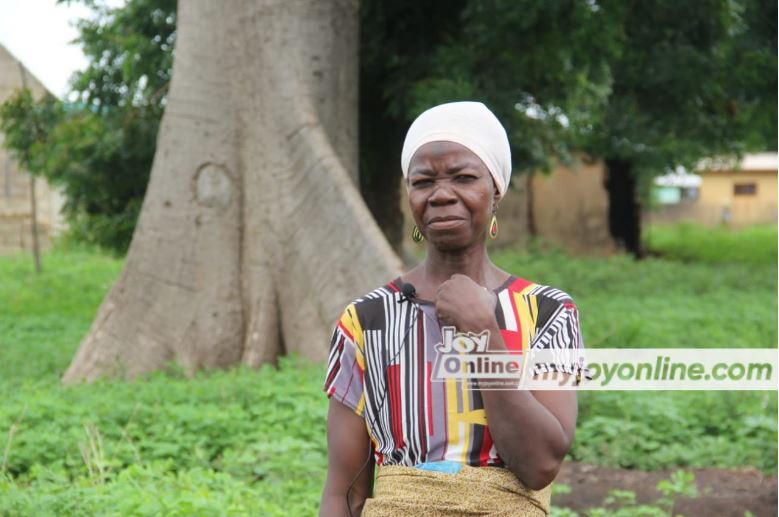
(411, 418)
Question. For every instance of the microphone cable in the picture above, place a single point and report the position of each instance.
(408, 293)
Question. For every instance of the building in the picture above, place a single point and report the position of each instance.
(722, 192)
(740, 194)
(15, 184)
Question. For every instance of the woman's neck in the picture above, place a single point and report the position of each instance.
(473, 262)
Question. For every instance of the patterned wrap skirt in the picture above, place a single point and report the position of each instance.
(411, 491)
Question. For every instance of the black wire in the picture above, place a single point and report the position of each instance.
(385, 365)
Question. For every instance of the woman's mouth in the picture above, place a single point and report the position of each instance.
(445, 223)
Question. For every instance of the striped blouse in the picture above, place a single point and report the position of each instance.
(411, 417)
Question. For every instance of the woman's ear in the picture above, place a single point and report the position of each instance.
(496, 197)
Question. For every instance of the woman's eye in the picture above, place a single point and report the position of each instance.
(421, 183)
(465, 177)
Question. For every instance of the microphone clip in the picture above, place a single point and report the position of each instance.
(408, 292)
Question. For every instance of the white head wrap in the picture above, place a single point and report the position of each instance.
(470, 124)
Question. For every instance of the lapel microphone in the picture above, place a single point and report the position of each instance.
(408, 292)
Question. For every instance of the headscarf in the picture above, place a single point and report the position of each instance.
(470, 124)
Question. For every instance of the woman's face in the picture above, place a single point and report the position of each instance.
(451, 194)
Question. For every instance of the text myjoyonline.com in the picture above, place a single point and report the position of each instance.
(615, 369)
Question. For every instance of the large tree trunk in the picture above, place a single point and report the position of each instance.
(253, 235)
(624, 206)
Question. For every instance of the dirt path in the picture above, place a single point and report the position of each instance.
(722, 492)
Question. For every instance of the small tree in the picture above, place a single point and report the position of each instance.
(24, 124)
(100, 146)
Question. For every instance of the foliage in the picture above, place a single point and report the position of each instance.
(253, 442)
(25, 124)
(235, 443)
(725, 304)
(538, 65)
(100, 145)
(660, 112)
(657, 85)
(130, 49)
(653, 430)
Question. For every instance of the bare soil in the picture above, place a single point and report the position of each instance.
(722, 492)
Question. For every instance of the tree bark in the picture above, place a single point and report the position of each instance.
(532, 229)
(624, 206)
(253, 235)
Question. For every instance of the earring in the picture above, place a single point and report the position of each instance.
(416, 235)
(494, 227)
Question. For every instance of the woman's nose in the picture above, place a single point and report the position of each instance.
(442, 194)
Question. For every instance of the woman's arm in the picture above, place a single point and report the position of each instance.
(348, 447)
(532, 431)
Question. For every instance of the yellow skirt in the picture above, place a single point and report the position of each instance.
(409, 491)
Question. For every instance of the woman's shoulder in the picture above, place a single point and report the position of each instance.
(525, 287)
(389, 291)
(373, 304)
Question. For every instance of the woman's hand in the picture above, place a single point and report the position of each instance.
(465, 304)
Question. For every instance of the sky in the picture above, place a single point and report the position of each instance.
(38, 33)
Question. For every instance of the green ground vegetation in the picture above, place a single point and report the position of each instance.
(253, 441)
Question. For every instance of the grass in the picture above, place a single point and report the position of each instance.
(249, 442)
(754, 245)
(669, 302)
(230, 443)
(43, 317)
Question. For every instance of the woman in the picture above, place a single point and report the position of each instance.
(447, 446)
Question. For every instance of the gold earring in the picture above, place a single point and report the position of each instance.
(494, 227)
(416, 235)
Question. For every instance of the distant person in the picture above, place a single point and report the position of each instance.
(443, 447)
(726, 216)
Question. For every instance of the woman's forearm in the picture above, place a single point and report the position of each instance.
(528, 436)
(529, 439)
(334, 505)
